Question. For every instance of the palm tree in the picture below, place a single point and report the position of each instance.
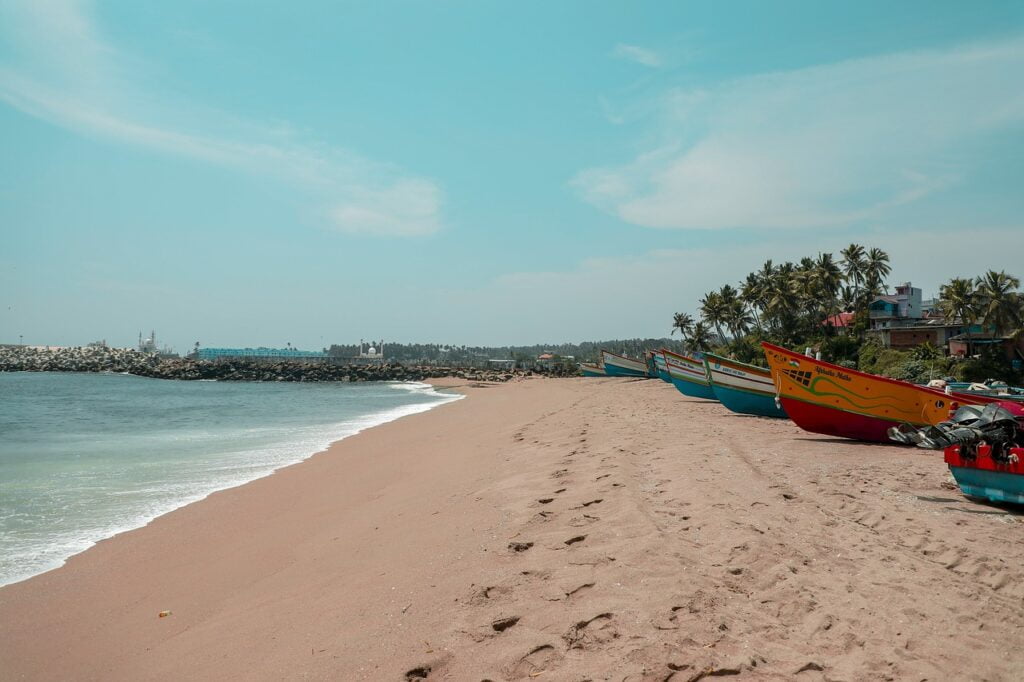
(848, 298)
(713, 311)
(876, 269)
(958, 301)
(998, 301)
(737, 319)
(683, 322)
(730, 301)
(752, 293)
(779, 301)
(700, 338)
(854, 265)
(829, 279)
(804, 287)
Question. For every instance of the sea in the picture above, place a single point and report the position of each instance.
(86, 456)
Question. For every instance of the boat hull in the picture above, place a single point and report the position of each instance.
(613, 371)
(832, 400)
(618, 366)
(989, 485)
(986, 479)
(592, 371)
(689, 375)
(829, 421)
(744, 402)
(743, 388)
(659, 363)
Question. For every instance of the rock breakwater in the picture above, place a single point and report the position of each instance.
(103, 359)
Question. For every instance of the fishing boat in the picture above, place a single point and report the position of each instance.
(743, 388)
(652, 366)
(591, 369)
(621, 366)
(689, 375)
(829, 399)
(659, 363)
(996, 389)
(981, 445)
(985, 477)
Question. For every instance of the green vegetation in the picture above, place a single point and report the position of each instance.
(796, 305)
(479, 356)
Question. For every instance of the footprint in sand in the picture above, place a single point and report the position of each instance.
(502, 624)
(420, 673)
(576, 539)
(520, 546)
(587, 633)
(489, 593)
(538, 660)
(577, 592)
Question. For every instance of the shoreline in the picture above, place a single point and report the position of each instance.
(372, 421)
(568, 529)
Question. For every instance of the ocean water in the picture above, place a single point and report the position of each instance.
(86, 456)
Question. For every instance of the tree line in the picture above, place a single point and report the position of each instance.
(798, 304)
(478, 356)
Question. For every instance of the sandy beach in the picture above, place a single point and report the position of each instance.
(567, 529)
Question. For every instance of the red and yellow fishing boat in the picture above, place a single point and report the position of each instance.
(829, 399)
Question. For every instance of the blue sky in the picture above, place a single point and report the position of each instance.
(255, 173)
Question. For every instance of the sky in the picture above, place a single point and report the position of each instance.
(250, 173)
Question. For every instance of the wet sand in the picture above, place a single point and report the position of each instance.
(554, 530)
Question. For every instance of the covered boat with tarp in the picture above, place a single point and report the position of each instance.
(837, 401)
(743, 388)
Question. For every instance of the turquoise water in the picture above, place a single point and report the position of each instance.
(86, 456)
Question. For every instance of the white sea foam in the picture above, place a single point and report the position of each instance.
(37, 551)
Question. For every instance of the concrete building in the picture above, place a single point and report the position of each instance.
(903, 320)
(906, 334)
(905, 304)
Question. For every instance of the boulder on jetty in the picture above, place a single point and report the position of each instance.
(128, 361)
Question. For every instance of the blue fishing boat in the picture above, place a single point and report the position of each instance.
(661, 366)
(621, 366)
(652, 367)
(982, 476)
(743, 388)
(590, 369)
(689, 375)
(990, 388)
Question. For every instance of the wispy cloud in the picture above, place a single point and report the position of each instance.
(825, 145)
(64, 72)
(640, 55)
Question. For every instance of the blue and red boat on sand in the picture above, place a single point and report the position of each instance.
(983, 446)
(982, 476)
